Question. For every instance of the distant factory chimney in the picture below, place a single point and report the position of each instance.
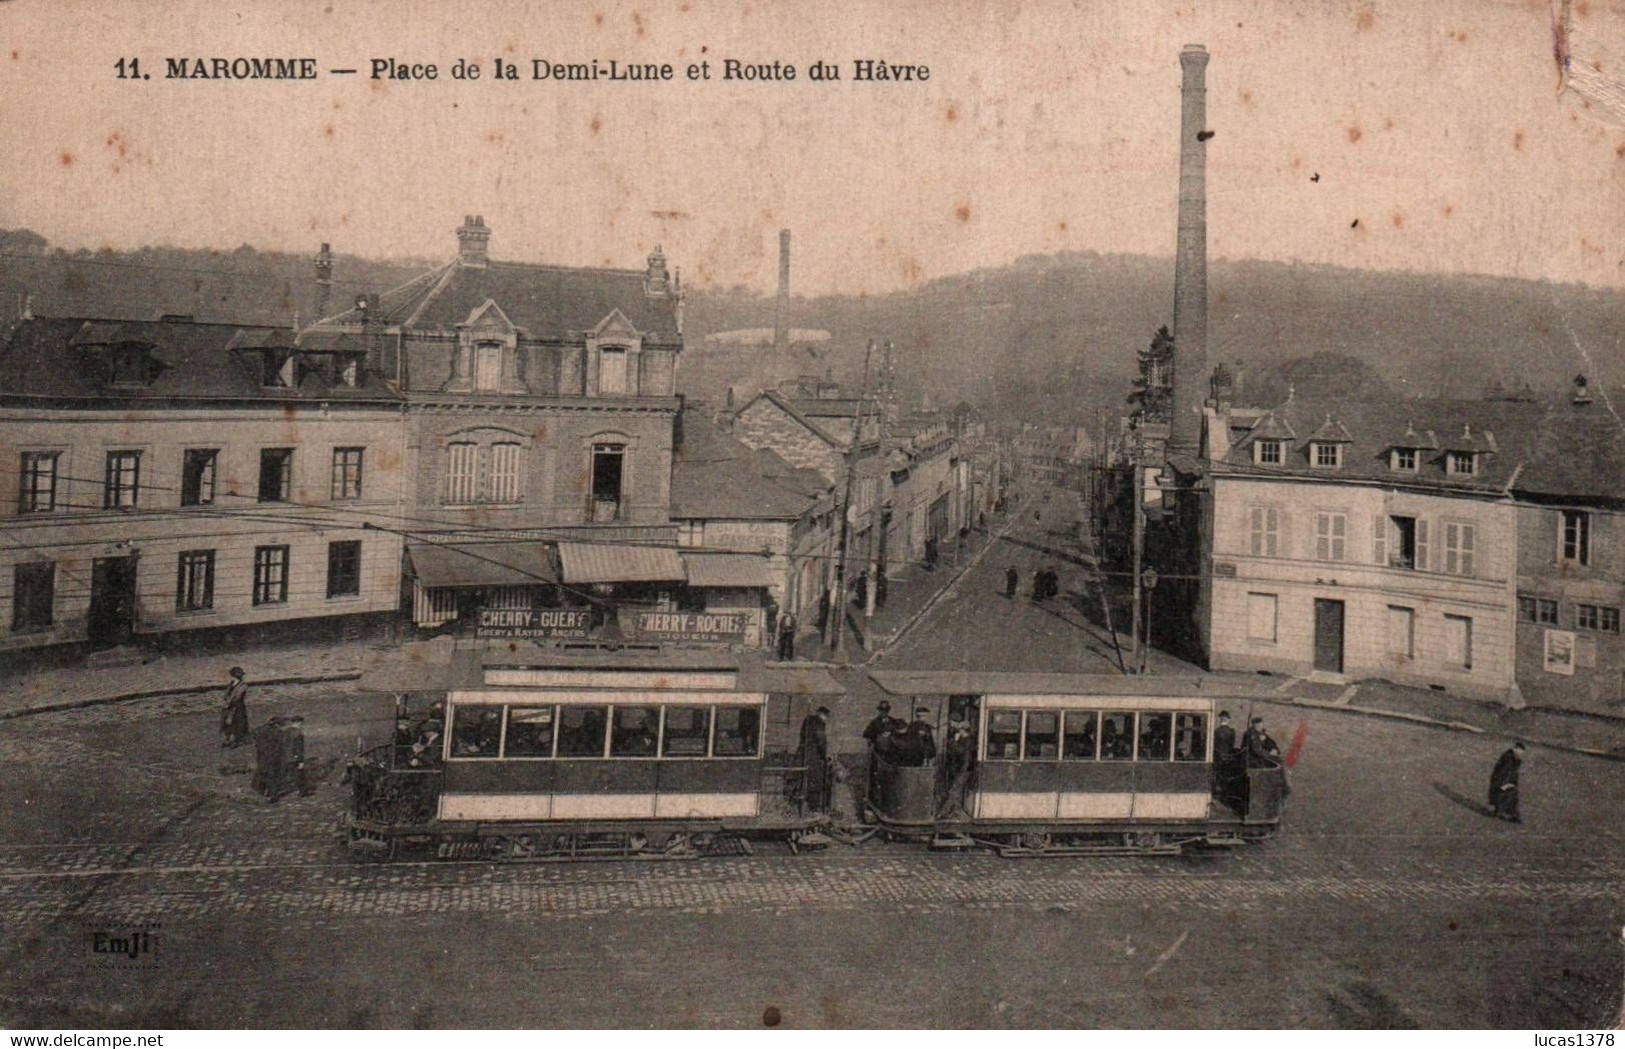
(781, 310)
(1190, 258)
(324, 279)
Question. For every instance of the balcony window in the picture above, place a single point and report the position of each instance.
(1575, 537)
(122, 485)
(276, 475)
(36, 493)
(608, 479)
(197, 476)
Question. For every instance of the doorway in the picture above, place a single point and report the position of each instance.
(112, 601)
(1329, 635)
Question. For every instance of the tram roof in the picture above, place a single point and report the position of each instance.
(984, 683)
(432, 668)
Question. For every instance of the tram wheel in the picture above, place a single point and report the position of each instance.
(636, 842)
(1035, 840)
(1144, 839)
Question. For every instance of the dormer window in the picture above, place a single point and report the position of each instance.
(1268, 452)
(130, 365)
(612, 371)
(281, 369)
(1326, 454)
(1461, 464)
(488, 366)
(1403, 459)
(349, 370)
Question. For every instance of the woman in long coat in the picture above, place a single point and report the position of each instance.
(234, 713)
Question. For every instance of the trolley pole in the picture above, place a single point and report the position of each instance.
(834, 630)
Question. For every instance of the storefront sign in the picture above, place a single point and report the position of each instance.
(1224, 569)
(533, 622)
(693, 626)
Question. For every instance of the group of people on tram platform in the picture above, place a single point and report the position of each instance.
(1256, 749)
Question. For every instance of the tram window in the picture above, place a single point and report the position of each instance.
(530, 733)
(1004, 735)
(581, 731)
(634, 733)
(1082, 735)
(1117, 735)
(737, 729)
(1190, 737)
(1156, 733)
(476, 732)
(688, 730)
(1043, 735)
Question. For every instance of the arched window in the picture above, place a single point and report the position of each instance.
(462, 472)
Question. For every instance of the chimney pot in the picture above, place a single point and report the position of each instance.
(473, 240)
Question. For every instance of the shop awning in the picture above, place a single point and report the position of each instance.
(606, 563)
(730, 570)
(482, 564)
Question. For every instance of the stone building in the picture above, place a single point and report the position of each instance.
(1571, 563)
(539, 410)
(174, 477)
(756, 533)
(1353, 540)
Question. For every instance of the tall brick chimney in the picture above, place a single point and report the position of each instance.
(1190, 258)
(781, 310)
(324, 279)
(472, 239)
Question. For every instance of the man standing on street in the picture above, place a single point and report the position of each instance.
(234, 711)
(918, 744)
(1012, 579)
(1504, 784)
(815, 758)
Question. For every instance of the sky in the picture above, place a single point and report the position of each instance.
(1388, 135)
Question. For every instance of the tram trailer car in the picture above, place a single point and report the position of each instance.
(1068, 763)
(573, 755)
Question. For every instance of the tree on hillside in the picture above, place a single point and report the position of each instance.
(1154, 386)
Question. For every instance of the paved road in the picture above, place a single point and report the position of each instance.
(1386, 902)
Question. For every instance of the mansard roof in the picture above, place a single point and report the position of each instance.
(67, 358)
(544, 302)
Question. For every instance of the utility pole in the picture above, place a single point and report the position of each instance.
(1139, 553)
(834, 632)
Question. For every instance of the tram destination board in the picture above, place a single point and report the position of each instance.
(533, 622)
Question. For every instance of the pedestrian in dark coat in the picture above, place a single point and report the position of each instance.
(1260, 750)
(1038, 584)
(787, 638)
(814, 757)
(1012, 579)
(234, 711)
(958, 755)
(880, 734)
(1504, 784)
(917, 745)
(1227, 762)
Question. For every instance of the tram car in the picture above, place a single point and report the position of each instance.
(1031, 764)
(555, 754)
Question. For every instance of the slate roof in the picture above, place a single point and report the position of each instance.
(66, 358)
(543, 302)
(715, 476)
(1542, 452)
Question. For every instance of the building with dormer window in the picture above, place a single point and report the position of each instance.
(539, 412)
(170, 478)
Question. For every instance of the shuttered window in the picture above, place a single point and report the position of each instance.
(1458, 548)
(1331, 536)
(462, 472)
(1379, 540)
(1265, 539)
(504, 473)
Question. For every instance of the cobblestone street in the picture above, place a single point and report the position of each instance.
(1385, 901)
